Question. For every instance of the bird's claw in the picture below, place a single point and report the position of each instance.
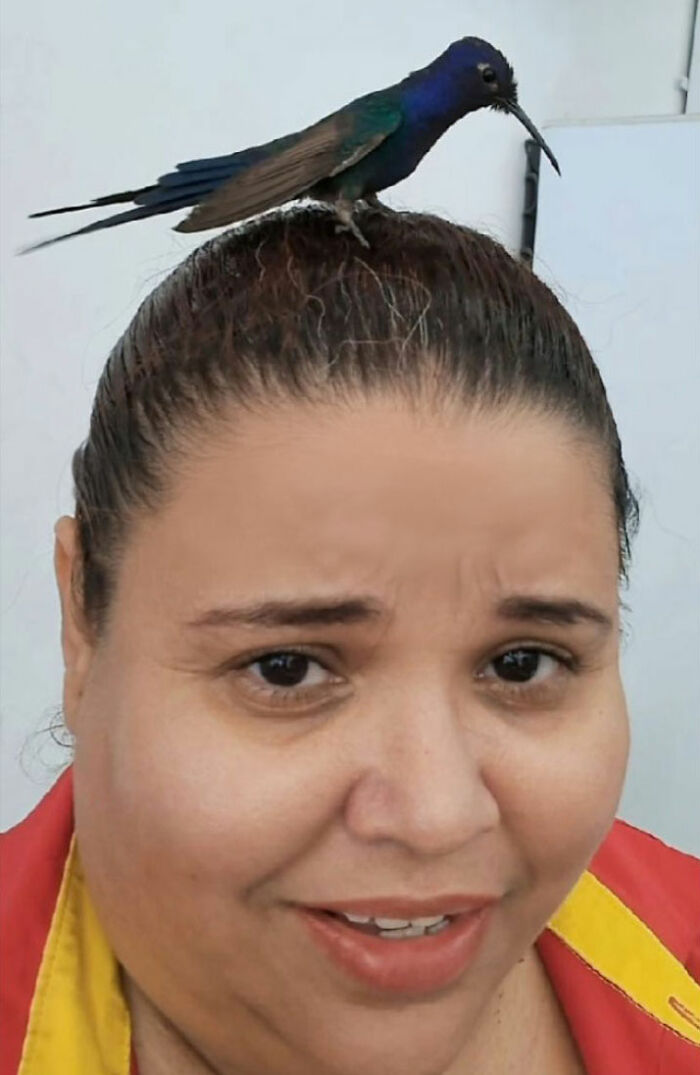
(343, 209)
(353, 228)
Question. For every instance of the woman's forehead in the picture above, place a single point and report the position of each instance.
(383, 450)
(377, 498)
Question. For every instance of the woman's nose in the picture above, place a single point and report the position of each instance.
(421, 783)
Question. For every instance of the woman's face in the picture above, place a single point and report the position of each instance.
(466, 735)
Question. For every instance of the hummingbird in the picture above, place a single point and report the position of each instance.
(344, 159)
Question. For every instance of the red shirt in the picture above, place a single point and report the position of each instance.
(622, 953)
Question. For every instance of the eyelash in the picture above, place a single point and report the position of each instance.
(294, 695)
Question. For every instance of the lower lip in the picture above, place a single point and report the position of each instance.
(411, 965)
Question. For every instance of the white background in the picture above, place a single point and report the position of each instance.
(99, 96)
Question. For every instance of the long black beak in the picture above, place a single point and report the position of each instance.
(530, 126)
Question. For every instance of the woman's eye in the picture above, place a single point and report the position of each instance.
(285, 672)
(525, 665)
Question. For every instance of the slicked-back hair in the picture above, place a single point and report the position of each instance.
(284, 308)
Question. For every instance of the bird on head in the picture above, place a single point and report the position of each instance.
(344, 159)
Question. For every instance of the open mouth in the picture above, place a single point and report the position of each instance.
(393, 929)
(413, 957)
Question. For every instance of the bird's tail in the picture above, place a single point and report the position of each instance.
(108, 199)
(152, 200)
(98, 225)
(187, 185)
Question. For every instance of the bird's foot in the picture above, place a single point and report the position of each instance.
(373, 200)
(353, 228)
(344, 211)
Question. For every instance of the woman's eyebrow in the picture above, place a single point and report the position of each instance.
(561, 611)
(323, 612)
(293, 613)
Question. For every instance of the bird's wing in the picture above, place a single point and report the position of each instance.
(320, 151)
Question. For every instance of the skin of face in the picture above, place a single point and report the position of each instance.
(408, 765)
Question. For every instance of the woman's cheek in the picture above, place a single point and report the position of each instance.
(220, 800)
(570, 802)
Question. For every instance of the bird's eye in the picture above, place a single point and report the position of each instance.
(488, 74)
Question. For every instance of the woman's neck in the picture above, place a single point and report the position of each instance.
(159, 1046)
(522, 1029)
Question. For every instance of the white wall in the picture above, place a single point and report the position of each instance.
(99, 96)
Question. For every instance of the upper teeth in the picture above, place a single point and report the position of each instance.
(394, 923)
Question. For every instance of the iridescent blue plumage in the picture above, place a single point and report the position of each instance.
(366, 146)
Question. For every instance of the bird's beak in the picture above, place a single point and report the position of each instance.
(527, 123)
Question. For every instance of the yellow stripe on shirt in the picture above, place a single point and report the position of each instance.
(613, 941)
(78, 1022)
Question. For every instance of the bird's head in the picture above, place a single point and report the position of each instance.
(492, 82)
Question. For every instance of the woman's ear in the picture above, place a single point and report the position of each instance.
(76, 646)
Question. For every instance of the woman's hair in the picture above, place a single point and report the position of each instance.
(284, 308)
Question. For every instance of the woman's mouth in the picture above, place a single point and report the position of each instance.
(407, 956)
(395, 928)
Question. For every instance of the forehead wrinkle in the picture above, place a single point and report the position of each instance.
(497, 587)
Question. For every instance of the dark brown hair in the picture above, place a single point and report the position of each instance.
(285, 308)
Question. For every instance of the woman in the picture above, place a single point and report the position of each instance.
(340, 628)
